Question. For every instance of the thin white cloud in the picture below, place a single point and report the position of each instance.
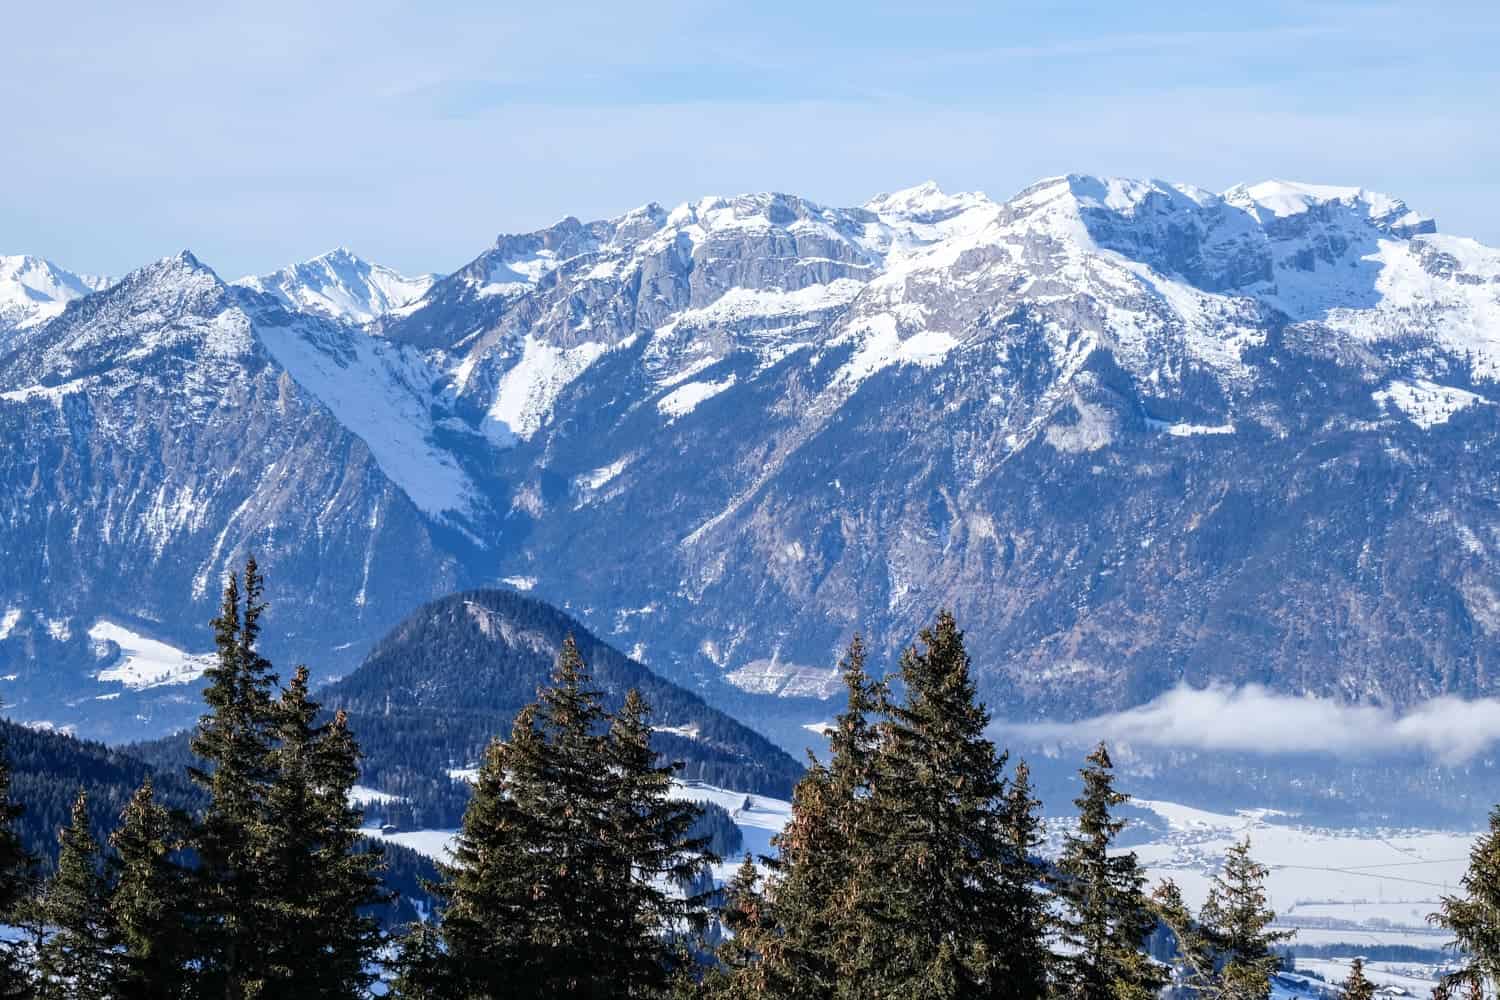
(1254, 718)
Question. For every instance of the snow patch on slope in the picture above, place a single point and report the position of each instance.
(512, 277)
(383, 392)
(881, 346)
(759, 817)
(1188, 430)
(146, 663)
(1439, 289)
(528, 390)
(744, 303)
(774, 676)
(685, 398)
(1426, 403)
(53, 394)
(602, 475)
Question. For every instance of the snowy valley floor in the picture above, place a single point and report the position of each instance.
(1353, 889)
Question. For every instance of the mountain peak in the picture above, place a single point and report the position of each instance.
(1282, 199)
(341, 285)
(181, 265)
(338, 255)
(1122, 195)
(188, 259)
(34, 290)
(921, 200)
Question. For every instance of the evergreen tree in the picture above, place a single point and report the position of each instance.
(1226, 954)
(561, 882)
(532, 893)
(1194, 963)
(1106, 917)
(421, 967)
(233, 741)
(149, 903)
(824, 869)
(350, 881)
(747, 965)
(936, 889)
(490, 886)
(1356, 986)
(314, 878)
(1474, 917)
(1234, 918)
(17, 868)
(1026, 956)
(280, 882)
(810, 869)
(76, 959)
(658, 859)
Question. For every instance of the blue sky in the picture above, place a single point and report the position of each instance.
(265, 132)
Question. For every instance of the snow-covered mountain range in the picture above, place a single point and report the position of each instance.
(1132, 432)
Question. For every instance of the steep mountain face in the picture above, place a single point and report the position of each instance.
(155, 438)
(33, 290)
(456, 672)
(1134, 433)
(339, 285)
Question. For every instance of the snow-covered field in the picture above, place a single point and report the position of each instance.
(146, 663)
(1351, 889)
(363, 796)
(1354, 888)
(1416, 979)
(1381, 878)
(758, 817)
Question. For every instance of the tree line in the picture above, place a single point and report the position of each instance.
(263, 891)
(911, 867)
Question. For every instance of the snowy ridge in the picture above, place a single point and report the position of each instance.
(34, 290)
(871, 277)
(340, 285)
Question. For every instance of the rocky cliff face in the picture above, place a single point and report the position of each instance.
(153, 441)
(1133, 433)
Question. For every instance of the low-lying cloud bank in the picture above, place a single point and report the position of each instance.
(1254, 718)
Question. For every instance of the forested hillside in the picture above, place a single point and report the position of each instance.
(49, 768)
(456, 672)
